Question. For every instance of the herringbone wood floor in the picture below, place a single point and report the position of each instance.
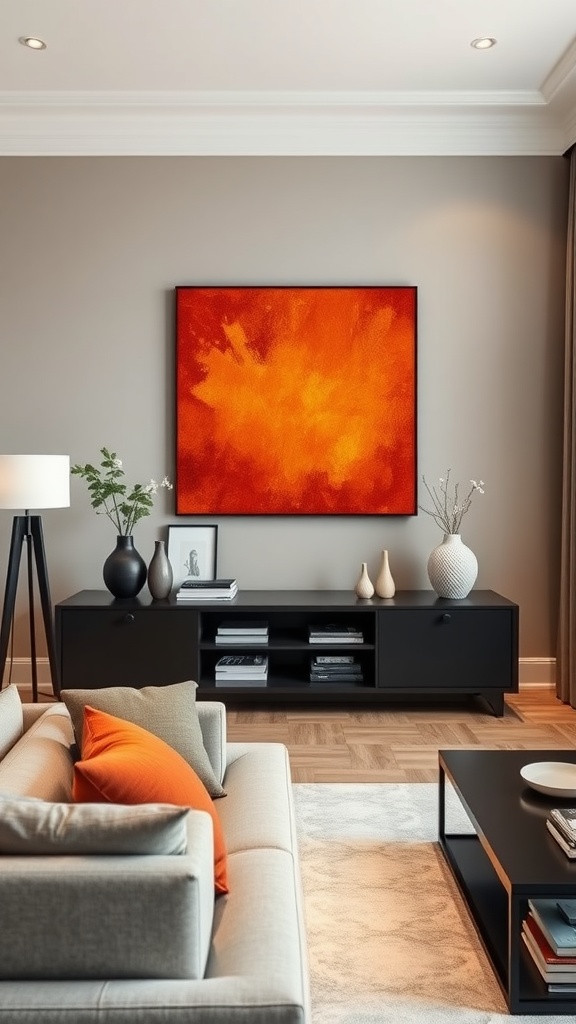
(399, 743)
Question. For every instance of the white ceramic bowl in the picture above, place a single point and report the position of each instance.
(554, 778)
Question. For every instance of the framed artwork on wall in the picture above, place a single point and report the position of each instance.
(192, 552)
(296, 400)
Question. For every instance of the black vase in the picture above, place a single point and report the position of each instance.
(124, 570)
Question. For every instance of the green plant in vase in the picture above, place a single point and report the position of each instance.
(124, 569)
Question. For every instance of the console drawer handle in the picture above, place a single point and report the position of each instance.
(129, 618)
(446, 617)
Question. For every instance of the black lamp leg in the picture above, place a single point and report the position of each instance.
(29, 529)
(19, 531)
(45, 599)
(29, 545)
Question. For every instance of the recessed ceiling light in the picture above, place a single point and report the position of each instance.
(484, 43)
(32, 42)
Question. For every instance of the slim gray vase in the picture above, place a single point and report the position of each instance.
(160, 574)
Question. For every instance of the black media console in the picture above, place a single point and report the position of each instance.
(414, 644)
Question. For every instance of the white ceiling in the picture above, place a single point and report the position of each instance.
(288, 76)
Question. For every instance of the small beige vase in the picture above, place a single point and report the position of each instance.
(364, 588)
(385, 586)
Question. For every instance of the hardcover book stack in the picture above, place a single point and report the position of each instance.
(562, 825)
(551, 941)
(333, 633)
(242, 670)
(242, 631)
(335, 668)
(207, 590)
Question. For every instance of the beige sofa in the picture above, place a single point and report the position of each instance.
(250, 944)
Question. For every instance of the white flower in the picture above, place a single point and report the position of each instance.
(117, 463)
(166, 483)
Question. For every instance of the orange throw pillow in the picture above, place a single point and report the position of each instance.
(125, 764)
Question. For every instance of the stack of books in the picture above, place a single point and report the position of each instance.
(551, 942)
(332, 633)
(562, 825)
(242, 670)
(207, 590)
(242, 631)
(335, 668)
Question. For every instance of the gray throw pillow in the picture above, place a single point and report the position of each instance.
(168, 712)
(11, 718)
(36, 827)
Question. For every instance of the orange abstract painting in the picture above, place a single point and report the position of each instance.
(296, 400)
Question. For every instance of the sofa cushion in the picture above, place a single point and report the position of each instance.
(261, 768)
(167, 711)
(40, 764)
(125, 764)
(34, 826)
(11, 720)
(91, 917)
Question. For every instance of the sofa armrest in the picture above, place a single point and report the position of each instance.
(32, 712)
(105, 917)
(212, 718)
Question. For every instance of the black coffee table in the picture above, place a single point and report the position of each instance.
(510, 858)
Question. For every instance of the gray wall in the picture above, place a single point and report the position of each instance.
(90, 251)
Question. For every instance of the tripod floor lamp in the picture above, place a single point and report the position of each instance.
(31, 482)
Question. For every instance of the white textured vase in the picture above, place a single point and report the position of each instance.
(384, 585)
(364, 588)
(452, 568)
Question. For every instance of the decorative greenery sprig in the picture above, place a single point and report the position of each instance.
(112, 498)
(448, 509)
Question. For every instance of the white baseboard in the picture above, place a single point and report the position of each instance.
(22, 673)
(532, 672)
(537, 672)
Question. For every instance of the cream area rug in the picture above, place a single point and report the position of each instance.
(389, 938)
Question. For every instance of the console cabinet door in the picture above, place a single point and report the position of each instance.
(135, 647)
(461, 649)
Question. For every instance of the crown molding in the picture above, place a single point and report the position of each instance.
(561, 74)
(280, 124)
(246, 99)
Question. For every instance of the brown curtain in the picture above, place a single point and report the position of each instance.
(566, 653)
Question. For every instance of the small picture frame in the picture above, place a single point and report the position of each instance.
(192, 552)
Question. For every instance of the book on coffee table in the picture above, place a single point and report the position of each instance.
(560, 935)
(543, 952)
(563, 843)
(565, 822)
(561, 978)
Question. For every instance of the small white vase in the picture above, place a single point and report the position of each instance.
(452, 568)
(364, 587)
(385, 586)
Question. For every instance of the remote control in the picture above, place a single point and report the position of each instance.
(568, 910)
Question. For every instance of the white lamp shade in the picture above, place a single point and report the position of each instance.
(34, 481)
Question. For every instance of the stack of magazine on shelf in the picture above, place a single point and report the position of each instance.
(551, 942)
(207, 590)
(335, 668)
(242, 670)
(561, 823)
(333, 633)
(236, 632)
